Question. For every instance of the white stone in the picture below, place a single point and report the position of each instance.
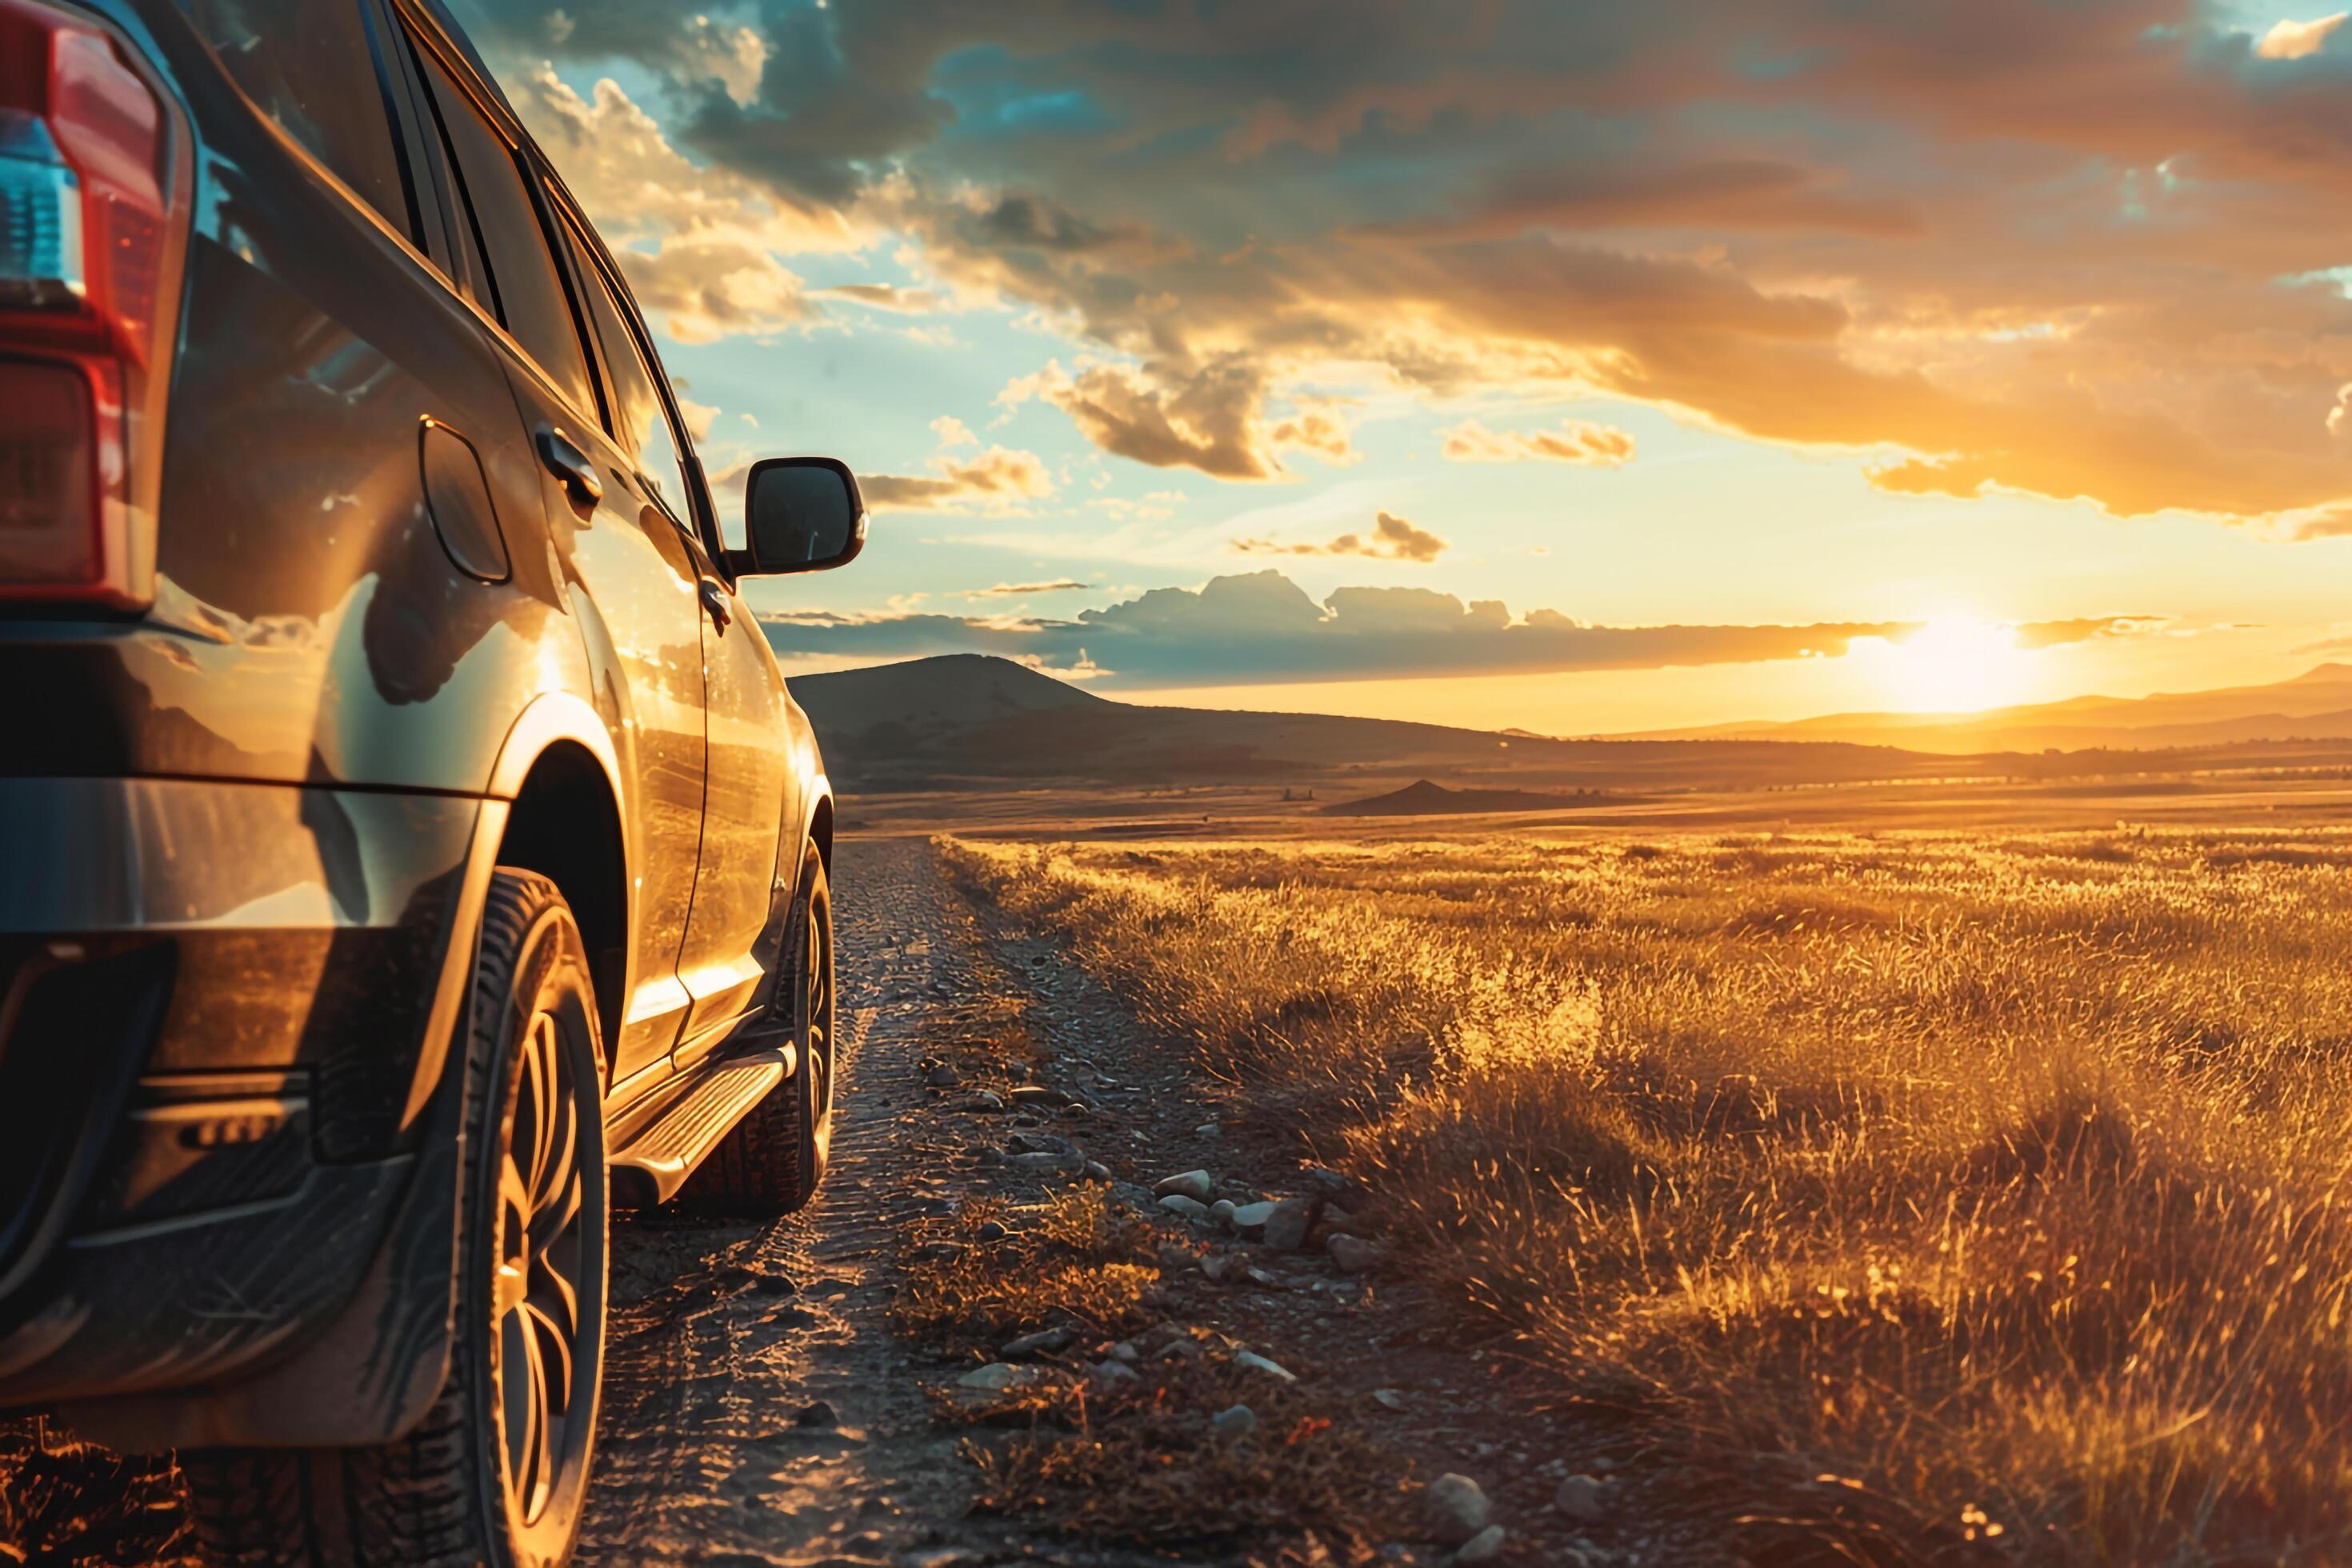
(1582, 1498)
(1483, 1547)
(1458, 1509)
(1193, 1184)
(1250, 1360)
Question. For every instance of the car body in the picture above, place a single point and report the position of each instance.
(377, 599)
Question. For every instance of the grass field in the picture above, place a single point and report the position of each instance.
(1918, 1197)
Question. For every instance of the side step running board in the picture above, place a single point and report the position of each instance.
(656, 1155)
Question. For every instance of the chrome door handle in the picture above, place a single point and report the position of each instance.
(568, 463)
(713, 593)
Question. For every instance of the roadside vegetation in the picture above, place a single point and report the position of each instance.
(1908, 1197)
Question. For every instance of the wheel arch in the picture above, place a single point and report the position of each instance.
(565, 821)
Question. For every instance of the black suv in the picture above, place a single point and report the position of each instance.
(407, 845)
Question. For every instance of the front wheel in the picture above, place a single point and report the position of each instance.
(771, 1161)
(498, 1471)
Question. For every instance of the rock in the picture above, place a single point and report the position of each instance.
(1209, 1130)
(1352, 1255)
(1044, 1341)
(986, 1101)
(1253, 1216)
(1582, 1498)
(1046, 1163)
(1218, 1265)
(1250, 1360)
(817, 1413)
(1266, 1281)
(1388, 1399)
(1097, 1170)
(1327, 1181)
(1041, 1144)
(943, 1076)
(1124, 1350)
(1187, 1208)
(1175, 1259)
(1457, 1509)
(1483, 1547)
(940, 1557)
(996, 1377)
(1193, 1184)
(1221, 1211)
(1287, 1225)
(1113, 1374)
(1237, 1420)
(1040, 1094)
(990, 1230)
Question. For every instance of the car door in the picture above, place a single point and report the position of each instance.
(632, 575)
(747, 777)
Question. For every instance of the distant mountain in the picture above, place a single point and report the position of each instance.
(1424, 798)
(2314, 706)
(968, 720)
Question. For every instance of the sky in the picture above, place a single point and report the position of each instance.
(1568, 365)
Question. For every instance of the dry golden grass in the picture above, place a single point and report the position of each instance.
(1927, 1196)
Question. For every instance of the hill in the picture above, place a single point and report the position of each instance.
(2314, 706)
(1424, 798)
(974, 721)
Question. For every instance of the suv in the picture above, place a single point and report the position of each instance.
(408, 847)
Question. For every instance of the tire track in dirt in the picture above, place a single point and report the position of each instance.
(757, 1409)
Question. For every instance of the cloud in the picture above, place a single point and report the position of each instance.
(996, 479)
(1393, 539)
(2292, 40)
(2069, 251)
(1018, 590)
(1576, 441)
(1206, 423)
(888, 296)
(1261, 627)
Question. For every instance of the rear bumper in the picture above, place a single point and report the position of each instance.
(227, 1133)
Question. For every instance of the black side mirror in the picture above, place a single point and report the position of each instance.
(802, 515)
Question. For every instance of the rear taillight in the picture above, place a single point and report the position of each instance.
(92, 229)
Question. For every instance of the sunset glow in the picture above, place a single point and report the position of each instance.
(1954, 666)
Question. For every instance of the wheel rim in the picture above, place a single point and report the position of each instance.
(541, 1256)
(816, 1011)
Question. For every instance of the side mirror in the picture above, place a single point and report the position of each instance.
(802, 515)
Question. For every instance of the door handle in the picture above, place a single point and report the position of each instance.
(713, 593)
(568, 463)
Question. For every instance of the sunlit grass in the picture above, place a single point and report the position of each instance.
(1922, 1193)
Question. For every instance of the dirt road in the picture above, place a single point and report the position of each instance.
(759, 1409)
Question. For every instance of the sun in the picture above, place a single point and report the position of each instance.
(1949, 665)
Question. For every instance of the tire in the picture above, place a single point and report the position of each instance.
(465, 1486)
(773, 1160)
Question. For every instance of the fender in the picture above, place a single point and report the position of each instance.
(373, 1373)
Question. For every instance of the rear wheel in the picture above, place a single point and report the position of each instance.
(773, 1161)
(498, 1471)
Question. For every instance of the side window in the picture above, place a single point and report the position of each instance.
(527, 291)
(307, 65)
(640, 421)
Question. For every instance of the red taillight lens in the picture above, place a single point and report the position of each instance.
(89, 254)
(49, 478)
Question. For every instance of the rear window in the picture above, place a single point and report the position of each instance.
(527, 288)
(309, 65)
